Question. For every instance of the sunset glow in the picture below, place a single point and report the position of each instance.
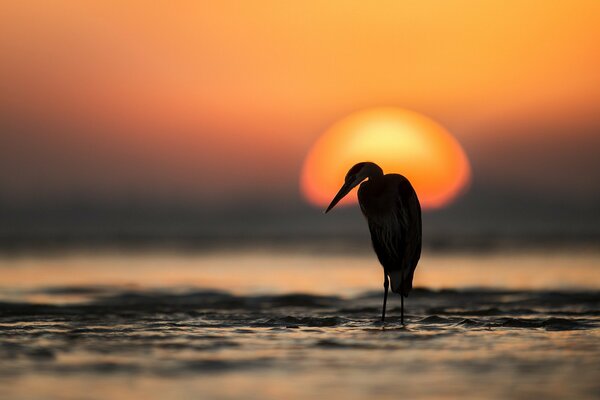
(121, 100)
(400, 141)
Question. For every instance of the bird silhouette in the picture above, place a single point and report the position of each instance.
(393, 213)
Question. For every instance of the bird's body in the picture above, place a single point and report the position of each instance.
(393, 213)
(394, 217)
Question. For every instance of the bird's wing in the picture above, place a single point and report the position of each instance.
(397, 237)
(410, 210)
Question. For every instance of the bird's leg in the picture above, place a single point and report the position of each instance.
(402, 309)
(386, 285)
(402, 298)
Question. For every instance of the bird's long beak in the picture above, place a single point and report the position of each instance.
(346, 188)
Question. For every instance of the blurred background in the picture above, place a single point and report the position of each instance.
(185, 126)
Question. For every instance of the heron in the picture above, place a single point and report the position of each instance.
(393, 212)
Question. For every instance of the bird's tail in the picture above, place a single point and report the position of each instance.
(400, 283)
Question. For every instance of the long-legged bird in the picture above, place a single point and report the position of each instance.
(393, 213)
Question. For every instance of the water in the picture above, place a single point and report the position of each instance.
(270, 326)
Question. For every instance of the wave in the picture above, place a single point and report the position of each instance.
(551, 310)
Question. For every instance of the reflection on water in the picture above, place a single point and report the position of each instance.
(263, 272)
(233, 326)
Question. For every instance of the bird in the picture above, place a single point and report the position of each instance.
(393, 212)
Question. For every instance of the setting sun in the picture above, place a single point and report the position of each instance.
(400, 141)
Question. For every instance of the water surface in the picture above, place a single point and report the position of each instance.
(265, 326)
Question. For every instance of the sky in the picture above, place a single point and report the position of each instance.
(217, 104)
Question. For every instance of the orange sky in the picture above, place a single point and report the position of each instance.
(216, 98)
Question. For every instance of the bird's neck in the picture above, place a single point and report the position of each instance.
(376, 182)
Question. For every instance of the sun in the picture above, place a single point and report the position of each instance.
(400, 141)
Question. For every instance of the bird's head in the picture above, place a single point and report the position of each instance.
(354, 177)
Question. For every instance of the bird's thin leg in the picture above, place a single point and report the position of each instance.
(386, 285)
(402, 309)
(402, 298)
